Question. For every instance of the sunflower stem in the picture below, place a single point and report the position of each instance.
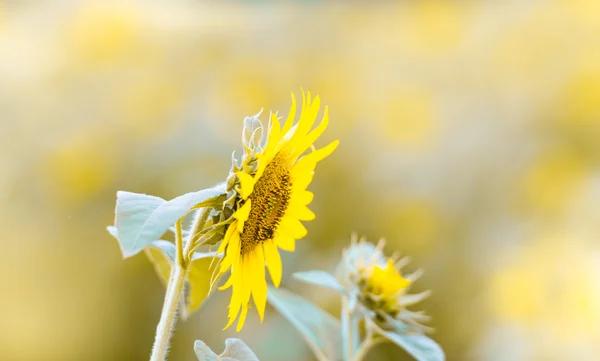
(175, 287)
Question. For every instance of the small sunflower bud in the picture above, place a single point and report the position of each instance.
(379, 286)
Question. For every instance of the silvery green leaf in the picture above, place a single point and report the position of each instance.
(142, 219)
(132, 210)
(112, 230)
(320, 278)
(168, 248)
(161, 262)
(321, 330)
(203, 352)
(236, 349)
(421, 347)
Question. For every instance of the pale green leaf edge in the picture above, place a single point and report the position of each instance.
(320, 278)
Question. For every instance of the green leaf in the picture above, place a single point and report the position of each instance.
(321, 330)
(235, 350)
(320, 278)
(421, 347)
(161, 262)
(131, 214)
(142, 219)
(203, 352)
(167, 247)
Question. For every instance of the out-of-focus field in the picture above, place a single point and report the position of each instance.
(470, 140)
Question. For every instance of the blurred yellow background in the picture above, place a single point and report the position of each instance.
(469, 140)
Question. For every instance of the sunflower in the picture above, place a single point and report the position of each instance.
(273, 202)
(376, 282)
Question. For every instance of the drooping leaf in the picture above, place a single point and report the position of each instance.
(203, 352)
(161, 262)
(113, 231)
(320, 329)
(131, 214)
(235, 350)
(167, 247)
(142, 219)
(320, 278)
(419, 346)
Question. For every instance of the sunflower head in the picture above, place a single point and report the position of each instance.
(378, 285)
(268, 199)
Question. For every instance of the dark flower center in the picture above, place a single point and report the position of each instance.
(270, 199)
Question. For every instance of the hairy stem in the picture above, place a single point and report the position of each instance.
(167, 318)
(175, 287)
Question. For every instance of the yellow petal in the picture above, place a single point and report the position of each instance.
(242, 215)
(235, 302)
(286, 243)
(292, 227)
(237, 280)
(274, 131)
(273, 259)
(301, 182)
(227, 237)
(307, 118)
(301, 198)
(324, 152)
(245, 278)
(291, 115)
(321, 153)
(230, 322)
(246, 183)
(310, 138)
(300, 212)
(235, 247)
(259, 283)
(302, 168)
(227, 284)
(242, 319)
(232, 239)
(226, 263)
(246, 289)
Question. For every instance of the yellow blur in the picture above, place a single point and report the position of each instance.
(469, 139)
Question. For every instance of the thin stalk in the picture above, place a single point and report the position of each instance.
(347, 332)
(175, 288)
(355, 330)
(371, 339)
(365, 347)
